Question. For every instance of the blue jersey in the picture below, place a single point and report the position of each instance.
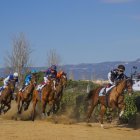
(51, 74)
(11, 77)
(28, 78)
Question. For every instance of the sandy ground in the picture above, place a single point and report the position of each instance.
(44, 130)
(62, 130)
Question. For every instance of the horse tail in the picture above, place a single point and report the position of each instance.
(90, 94)
(137, 102)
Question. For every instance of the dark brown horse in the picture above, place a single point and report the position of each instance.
(6, 96)
(24, 98)
(46, 95)
(115, 99)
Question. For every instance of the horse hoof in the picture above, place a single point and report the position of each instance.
(102, 126)
(43, 116)
(48, 113)
(87, 120)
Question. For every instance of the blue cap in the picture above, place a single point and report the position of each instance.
(53, 67)
(33, 71)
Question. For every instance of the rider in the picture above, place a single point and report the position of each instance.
(27, 80)
(114, 76)
(10, 77)
(50, 73)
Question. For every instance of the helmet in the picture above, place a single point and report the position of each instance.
(122, 67)
(33, 71)
(15, 74)
(53, 67)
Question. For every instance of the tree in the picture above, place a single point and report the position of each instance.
(53, 58)
(71, 75)
(19, 58)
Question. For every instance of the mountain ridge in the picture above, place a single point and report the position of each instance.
(93, 71)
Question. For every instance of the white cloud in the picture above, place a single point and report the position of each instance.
(117, 1)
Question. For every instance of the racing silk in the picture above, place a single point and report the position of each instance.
(7, 79)
(113, 76)
(28, 79)
(50, 74)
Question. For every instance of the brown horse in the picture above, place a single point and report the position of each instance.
(45, 96)
(62, 81)
(6, 96)
(115, 99)
(24, 98)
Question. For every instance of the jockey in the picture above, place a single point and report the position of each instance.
(50, 73)
(13, 76)
(28, 79)
(114, 76)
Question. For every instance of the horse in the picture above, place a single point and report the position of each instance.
(24, 97)
(114, 100)
(62, 82)
(46, 95)
(6, 96)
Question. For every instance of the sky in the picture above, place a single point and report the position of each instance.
(80, 31)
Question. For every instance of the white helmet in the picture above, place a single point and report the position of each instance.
(15, 74)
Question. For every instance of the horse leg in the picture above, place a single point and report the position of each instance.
(34, 106)
(18, 104)
(91, 107)
(43, 107)
(102, 112)
(21, 106)
(121, 105)
(90, 110)
(56, 106)
(26, 106)
(51, 107)
(8, 107)
(2, 108)
(28, 103)
(58, 103)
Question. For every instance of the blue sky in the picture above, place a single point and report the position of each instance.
(81, 31)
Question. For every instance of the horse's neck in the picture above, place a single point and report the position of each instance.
(48, 87)
(11, 85)
(120, 88)
(30, 87)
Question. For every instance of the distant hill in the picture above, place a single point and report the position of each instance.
(98, 70)
(93, 71)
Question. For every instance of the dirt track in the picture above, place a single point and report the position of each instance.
(44, 130)
(63, 130)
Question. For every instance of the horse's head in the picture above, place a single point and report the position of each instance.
(63, 79)
(129, 84)
(34, 80)
(126, 84)
(51, 84)
(11, 85)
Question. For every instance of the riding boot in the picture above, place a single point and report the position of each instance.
(104, 92)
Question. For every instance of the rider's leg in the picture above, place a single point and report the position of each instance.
(108, 89)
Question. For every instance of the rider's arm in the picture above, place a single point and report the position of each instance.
(7, 79)
(110, 78)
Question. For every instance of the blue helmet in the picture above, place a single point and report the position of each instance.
(33, 71)
(53, 67)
